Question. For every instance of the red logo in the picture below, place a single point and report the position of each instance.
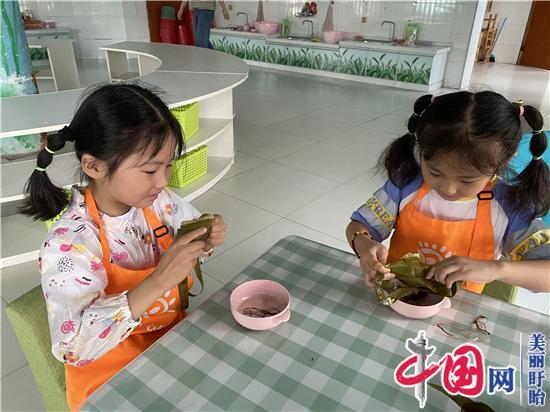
(463, 369)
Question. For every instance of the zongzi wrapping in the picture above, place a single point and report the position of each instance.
(410, 279)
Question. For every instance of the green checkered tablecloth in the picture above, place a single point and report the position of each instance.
(337, 352)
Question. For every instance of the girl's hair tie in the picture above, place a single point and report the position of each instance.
(48, 150)
(537, 131)
(519, 103)
(415, 114)
(535, 158)
(40, 169)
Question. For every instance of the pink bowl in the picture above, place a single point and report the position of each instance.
(266, 27)
(422, 312)
(333, 36)
(261, 294)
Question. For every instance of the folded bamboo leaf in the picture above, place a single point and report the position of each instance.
(410, 273)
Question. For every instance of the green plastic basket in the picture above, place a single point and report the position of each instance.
(189, 167)
(51, 221)
(188, 118)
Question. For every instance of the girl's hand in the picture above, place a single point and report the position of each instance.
(225, 14)
(457, 268)
(179, 260)
(174, 267)
(217, 233)
(372, 259)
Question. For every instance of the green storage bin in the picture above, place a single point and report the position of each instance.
(189, 167)
(188, 118)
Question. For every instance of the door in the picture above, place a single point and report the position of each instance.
(535, 51)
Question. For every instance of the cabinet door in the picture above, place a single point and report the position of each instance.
(382, 65)
(414, 69)
(276, 54)
(256, 50)
(231, 45)
(353, 61)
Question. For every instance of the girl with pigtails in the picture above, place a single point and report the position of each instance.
(110, 265)
(449, 196)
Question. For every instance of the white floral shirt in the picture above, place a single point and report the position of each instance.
(84, 322)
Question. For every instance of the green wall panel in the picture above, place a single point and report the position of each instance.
(359, 62)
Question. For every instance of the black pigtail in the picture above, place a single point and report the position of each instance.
(399, 159)
(531, 188)
(44, 200)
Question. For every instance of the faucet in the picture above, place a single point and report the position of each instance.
(392, 38)
(309, 21)
(245, 15)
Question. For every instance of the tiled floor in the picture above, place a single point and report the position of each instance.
(306, 148)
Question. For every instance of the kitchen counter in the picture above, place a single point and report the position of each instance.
(373, 44)
(419, 68)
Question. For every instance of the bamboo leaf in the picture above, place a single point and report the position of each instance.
(411, 272)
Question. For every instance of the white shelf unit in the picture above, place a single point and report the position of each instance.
(22, 237)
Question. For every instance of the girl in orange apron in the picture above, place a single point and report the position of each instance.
(81, 381)
(416, 232)
(101, 271)
(466, 138)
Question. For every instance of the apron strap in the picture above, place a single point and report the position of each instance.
(94, 213)
(482, 244)
(161, 231)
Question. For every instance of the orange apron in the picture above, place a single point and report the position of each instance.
(435, 239)
(81, 381)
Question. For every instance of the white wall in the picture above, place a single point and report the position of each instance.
(443, 21)
(94, 23)
(473, 45)
(509, 41)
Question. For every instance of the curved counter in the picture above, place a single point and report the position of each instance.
(184, 74)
